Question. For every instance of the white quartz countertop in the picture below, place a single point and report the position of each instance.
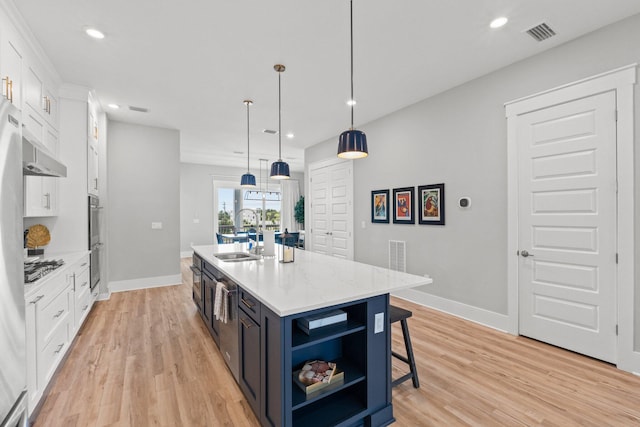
(312, 281)
(69, 259)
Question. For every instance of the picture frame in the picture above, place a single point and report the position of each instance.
(403, 201)
(431, 204)
(380, 206)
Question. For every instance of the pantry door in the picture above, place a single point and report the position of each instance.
(331, 218)
(567, 225)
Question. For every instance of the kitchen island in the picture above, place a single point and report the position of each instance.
(267, 300)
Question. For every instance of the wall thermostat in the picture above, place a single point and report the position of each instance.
(464, 202)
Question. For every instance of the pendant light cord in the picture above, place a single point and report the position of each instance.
(352, 99)
(247, 136)
(279, 119)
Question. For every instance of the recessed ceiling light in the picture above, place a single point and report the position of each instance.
(290, 135)
(113, 106)
(351, 102)
(96, 34)
(498, 22)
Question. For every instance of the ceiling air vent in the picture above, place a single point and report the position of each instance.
(139, 109)
(541, 32)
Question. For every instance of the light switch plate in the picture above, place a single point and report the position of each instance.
(379, 326)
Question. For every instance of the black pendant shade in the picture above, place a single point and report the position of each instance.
(352, 144)
(280, 170)
(248, 180)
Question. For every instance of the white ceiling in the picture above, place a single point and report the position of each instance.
(193, 62)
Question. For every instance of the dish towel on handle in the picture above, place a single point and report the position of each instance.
(221, 304)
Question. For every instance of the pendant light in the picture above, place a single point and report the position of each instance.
(248, 179)
(279, 169)
(352, 143)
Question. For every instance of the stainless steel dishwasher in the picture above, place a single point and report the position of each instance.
(229, 330)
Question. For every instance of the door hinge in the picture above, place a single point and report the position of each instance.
(616, 257)
(616, 330)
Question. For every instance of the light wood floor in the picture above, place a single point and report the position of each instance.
(144, 358)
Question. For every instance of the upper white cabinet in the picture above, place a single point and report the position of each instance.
(10, 67)
(40, 96)
(93, 174)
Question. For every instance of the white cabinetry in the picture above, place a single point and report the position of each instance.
(40, 193)
(92, 150)
(49, 332)
(78, 279)
(55, 310)
(10, 67)
(40, 96)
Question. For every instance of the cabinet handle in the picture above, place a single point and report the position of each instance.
(55, 316)
(95, 187)
(248, 304)
(84, 284)
(85, 307)
(7, 90)
(245, 323)
(38, 298)
(59, 348)
(83, 264)
(48, 203)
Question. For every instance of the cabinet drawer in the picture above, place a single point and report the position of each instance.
(52, 315)
(250, 305)
(51, 354)
(84, 300)
(82, 281)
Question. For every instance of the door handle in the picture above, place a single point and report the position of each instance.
(245, 323)
(525, 254)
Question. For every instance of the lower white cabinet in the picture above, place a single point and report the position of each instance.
(49, 323)
(79, 279)
(55, 310)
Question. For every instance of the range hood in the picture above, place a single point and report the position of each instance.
(37, 160)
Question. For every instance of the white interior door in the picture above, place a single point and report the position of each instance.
(331, 189)
(567, 225)
(320, 207)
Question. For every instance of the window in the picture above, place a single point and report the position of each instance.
(239, 209)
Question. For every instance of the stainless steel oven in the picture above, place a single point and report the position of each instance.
(196, 268)
(94, 239)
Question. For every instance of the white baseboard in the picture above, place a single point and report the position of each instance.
(186, 254)
(104, 296)
(144, 283)
(474, 314)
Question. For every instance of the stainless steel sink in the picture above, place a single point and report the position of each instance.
(236, 256)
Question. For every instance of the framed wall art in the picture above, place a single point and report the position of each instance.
(431, 205)
(403, 205)
(380, 206)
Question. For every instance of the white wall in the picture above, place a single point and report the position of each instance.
(459, 137)
(143, 166)
(196, 200)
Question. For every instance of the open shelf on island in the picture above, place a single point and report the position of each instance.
(336, 409)
(352, 375)
(302, 340)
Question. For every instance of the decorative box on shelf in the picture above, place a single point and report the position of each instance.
(311, 323)
(318, 375)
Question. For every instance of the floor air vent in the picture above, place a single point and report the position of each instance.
(541, 32)
(397, 255)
